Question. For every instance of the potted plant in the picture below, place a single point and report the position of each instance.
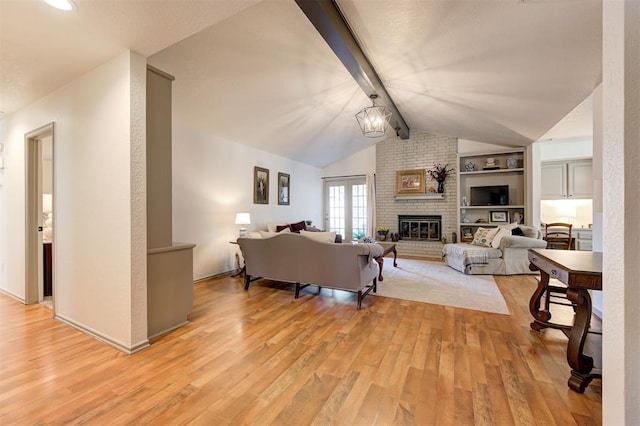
(382, 231)
(439, 173)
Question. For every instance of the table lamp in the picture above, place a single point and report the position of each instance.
(243, 219)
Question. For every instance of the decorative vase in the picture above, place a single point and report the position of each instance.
(441, 187)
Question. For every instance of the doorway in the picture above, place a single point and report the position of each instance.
(39, 221)
(346, 206)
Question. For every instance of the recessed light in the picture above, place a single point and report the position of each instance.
(62, 4)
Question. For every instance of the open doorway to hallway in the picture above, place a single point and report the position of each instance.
(39, 270)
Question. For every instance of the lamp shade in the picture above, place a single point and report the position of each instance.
(243, 218)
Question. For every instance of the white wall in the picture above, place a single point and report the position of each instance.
(361, 163)
(98, 139)
(466, 146)
(621, 203)
(213, 180)
(565, 150)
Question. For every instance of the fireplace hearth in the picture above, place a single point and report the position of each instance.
(420, 227)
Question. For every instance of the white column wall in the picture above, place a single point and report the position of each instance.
(621, 203)
(95, 122)
(213, 180)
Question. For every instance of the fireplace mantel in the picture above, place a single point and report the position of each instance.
(436, 196)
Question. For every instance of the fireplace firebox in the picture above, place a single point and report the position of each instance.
(420, 227)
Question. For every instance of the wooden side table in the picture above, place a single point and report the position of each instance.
(388, 248)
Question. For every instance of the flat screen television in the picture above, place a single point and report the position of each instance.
(497, 195)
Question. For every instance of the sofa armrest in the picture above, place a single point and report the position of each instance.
(516, 241)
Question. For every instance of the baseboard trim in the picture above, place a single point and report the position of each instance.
(13, 296)
(597, 312)
(210, 277)
(129, 350)
(160, 333)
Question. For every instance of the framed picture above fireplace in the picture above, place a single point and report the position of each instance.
(410, 182)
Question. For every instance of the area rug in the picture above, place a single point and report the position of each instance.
(437, 283)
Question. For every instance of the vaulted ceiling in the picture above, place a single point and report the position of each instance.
(258, 73)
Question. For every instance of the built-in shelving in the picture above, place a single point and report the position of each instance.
(509, 170)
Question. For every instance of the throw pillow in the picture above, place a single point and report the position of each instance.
(325, 237)
(517, 231)
(267, 234)
(282, 228)
(499, 236)
(299, 226)
(483, 237)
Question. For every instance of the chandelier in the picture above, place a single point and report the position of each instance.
(374, 120)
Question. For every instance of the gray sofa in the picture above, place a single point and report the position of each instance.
(302, 260)
(509, 258)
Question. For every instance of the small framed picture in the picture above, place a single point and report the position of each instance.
(499, 216)
(283, 189)
(260, 185)
(410, 182)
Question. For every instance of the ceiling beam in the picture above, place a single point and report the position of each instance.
(326, 16)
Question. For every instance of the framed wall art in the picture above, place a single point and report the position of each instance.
(410, 182)
(260, 185)
(283, 188)
(499, 216)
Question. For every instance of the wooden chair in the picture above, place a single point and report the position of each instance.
(558, 235)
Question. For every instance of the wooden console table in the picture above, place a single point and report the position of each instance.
(581, 271)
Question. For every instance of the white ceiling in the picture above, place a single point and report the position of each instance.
(258, 73)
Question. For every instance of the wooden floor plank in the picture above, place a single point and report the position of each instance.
(262, 357)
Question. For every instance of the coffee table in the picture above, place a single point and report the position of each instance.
(388, 248)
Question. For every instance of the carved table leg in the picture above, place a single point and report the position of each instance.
(540, 316)
(395, 257)
(580, 363)
(380, 261)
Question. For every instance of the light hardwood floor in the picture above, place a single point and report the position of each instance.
(261, 357)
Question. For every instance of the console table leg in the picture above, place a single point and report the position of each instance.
(580, 363)
(534, 304)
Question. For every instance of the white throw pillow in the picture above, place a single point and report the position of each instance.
(503, 231)
(271, 227)
(327, 237)
(267, 234)
(253, 234)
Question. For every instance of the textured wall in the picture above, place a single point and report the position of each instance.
(420, 151)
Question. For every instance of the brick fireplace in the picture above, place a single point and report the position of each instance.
(421, 151)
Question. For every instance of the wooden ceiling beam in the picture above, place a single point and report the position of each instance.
(326, 16)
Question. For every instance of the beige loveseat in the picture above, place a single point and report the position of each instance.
(508, 258)
(303, 260)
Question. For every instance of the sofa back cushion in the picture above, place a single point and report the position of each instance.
(327, 237)
(530, 231)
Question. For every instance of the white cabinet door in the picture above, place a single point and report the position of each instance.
(580, 179)
(554, 181)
